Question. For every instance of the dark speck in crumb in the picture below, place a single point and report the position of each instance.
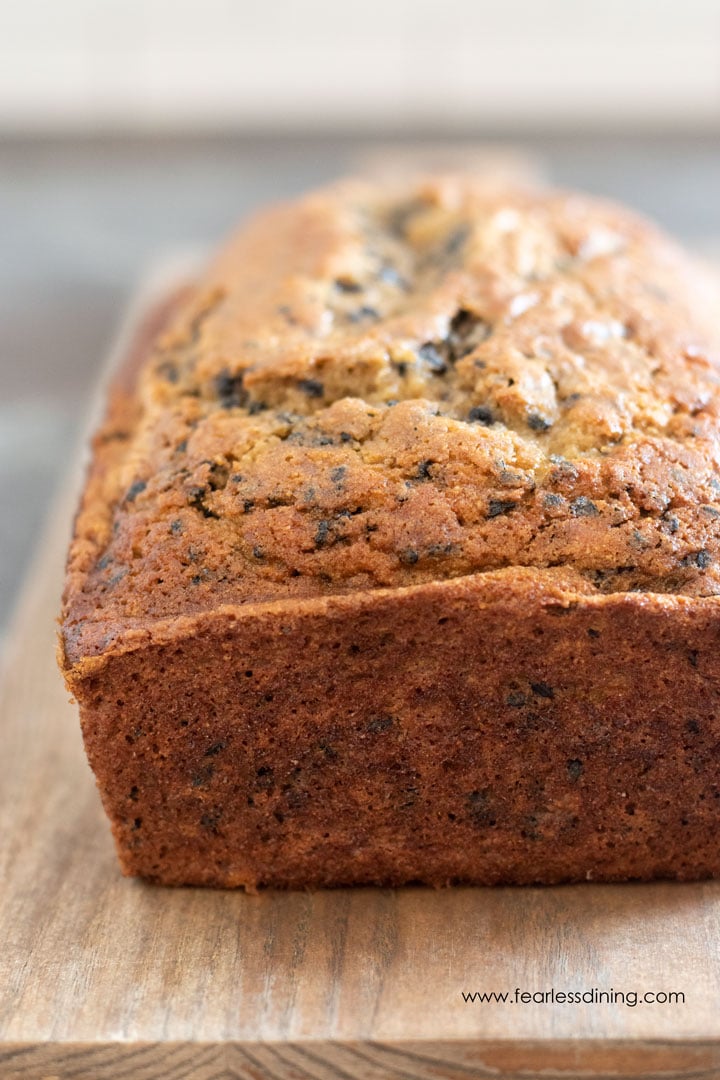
(409, 556)
(542, 689)
(196, 499)
(583, 507)
(135, 489)
(321, 533)
(211, 819)
(380, 723)
(258, 552)
(423, 469)
(347, 285)
(312, 387)
(564, 468)
(516, 699)
(215, 748)
(496, 507)
(551, 501)
(345, 436)
(701, 559)
(434, 360)
(229, 388)
(507, 476)
(441, 549)
(480, 414)
(575, 768)
(265, 772)
(479, 809)
(337, 475)
(203, 776)
(363, 314)
(181, 447)
(538, 422)
(593, 633)
(176, 527)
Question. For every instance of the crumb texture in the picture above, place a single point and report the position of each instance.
(376, 388)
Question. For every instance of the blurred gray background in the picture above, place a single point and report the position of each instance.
(132, 130)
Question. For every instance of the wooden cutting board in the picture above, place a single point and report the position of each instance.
(101, 976)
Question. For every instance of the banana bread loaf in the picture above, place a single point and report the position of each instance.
(399, 554)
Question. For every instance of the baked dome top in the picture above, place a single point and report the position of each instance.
(375, 387)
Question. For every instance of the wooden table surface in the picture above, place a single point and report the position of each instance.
(102, 976)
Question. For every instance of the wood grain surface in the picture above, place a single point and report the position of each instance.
(102, 976)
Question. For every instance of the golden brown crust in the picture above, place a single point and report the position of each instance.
(375, 388)
(398, 557)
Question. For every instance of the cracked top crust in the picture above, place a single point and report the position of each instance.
(376, 387)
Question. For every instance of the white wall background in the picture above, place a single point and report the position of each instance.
(330, 63)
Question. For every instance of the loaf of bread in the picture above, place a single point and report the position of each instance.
(398, 558)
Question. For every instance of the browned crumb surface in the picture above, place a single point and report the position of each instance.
(374, 388)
